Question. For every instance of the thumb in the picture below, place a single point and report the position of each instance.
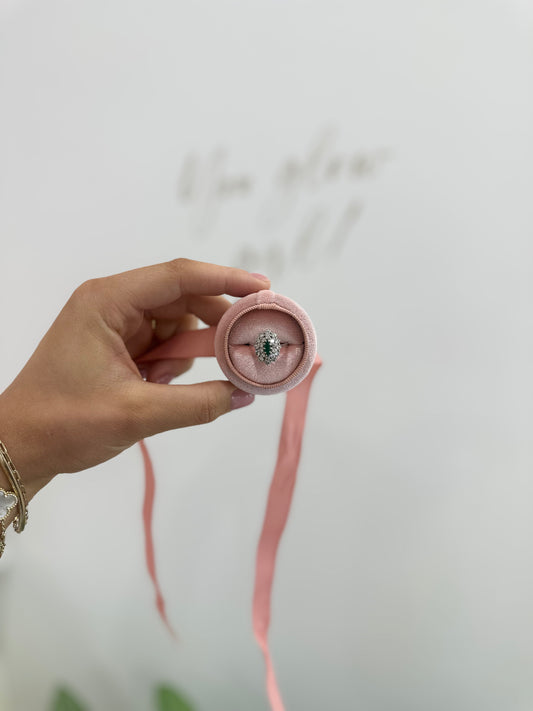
(166, 407)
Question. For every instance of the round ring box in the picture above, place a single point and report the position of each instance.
(249, 319)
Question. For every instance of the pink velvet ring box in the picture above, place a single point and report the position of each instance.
(265, 343)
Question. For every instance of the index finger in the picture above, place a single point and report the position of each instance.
(161, 284)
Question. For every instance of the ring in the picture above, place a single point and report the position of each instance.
(267, 346)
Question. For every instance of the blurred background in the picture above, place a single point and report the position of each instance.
(375, 160)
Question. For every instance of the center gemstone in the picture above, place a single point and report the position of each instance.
(267, 346)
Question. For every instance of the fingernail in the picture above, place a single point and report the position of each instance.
(240, 399)
(164, 379)
(259, 276)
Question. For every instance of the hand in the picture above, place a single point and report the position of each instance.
(81, 400)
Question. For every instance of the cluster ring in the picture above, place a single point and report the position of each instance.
(267, 347)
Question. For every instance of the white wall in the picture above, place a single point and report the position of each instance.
(375, 160)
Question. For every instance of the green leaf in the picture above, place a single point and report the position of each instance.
(170, 700)
(65, 701)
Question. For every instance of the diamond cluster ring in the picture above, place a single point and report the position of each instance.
(267, 346)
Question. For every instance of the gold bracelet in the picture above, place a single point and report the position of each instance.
(8, 499)
(19, 492)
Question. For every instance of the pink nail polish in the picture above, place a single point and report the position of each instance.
(259, 276)
(241, 399)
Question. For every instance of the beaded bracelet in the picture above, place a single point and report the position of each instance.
(10, 499)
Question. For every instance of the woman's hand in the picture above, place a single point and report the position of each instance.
(81, 400)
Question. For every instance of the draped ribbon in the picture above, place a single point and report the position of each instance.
(148, 507)
(277, 512)
(197, 343)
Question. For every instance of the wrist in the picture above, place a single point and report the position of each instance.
(27, 455)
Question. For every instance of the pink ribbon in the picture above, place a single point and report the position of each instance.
(148, 507)
(277, 512)
(190, 344)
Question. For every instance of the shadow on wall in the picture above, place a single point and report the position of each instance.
(166, 699)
